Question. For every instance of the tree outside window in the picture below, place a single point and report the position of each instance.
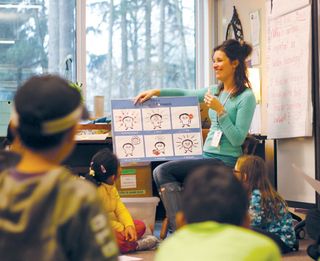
(133, 45)
(36, 36)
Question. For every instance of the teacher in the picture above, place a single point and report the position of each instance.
(231, 107)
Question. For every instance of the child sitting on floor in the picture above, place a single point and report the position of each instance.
(268, 210)
(214, 209)
(104, 168)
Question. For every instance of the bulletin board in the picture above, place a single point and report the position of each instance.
(164, 128)
(289, 106)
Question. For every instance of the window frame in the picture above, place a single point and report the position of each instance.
(202, 44)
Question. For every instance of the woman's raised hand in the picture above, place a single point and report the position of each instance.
(146, 95)
(213, 103)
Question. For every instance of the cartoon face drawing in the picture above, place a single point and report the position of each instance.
(185, 119)
(156, 120)
(187, 144)
(128, 149)
(128, 122)
(159, 148)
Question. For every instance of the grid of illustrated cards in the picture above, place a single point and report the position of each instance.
(164, 128)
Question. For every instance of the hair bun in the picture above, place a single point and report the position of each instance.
(246, 49)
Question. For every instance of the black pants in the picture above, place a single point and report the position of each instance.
(313, 223)
(177, 171)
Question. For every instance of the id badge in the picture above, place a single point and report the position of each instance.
(216, 138)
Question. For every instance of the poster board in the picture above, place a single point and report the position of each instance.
(164, 128)
(289, 74)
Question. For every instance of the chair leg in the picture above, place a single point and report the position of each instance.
(164, 228)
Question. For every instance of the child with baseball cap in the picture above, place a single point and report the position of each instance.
(46, 214)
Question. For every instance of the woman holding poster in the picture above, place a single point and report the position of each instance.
(231, 107)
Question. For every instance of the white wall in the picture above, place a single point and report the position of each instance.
(298, 151)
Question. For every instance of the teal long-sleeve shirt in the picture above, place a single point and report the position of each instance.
(234, 124)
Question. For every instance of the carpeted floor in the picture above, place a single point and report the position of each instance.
(301, 255)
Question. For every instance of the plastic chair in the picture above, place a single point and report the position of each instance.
(250, 144)
(299, 226)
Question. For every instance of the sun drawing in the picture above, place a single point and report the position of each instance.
(187, 142)
(127, 120)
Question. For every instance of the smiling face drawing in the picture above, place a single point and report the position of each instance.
(128, 149)
(156, 120)
(128, 122)
(159, 148)
(187, 145)
(185, 119)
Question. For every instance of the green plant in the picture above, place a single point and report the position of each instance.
(78, 87)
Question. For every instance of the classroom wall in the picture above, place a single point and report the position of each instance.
(299, 151)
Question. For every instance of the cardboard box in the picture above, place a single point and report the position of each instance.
(143, 209)
(135, 180)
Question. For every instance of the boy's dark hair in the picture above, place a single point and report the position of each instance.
(104, 164)
(39, 100)
(214, 194)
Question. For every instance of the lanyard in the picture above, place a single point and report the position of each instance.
(223, 103)
(227, 98)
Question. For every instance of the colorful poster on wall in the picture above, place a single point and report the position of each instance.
(164, 128)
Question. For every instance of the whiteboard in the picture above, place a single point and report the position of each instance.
(282, 7)
(289, 106)
(301, 153)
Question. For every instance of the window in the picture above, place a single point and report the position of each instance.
(133, 45)
(36, 36)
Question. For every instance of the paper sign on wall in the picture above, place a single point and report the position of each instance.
(289, 75)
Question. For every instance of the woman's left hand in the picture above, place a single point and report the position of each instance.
(213, 103)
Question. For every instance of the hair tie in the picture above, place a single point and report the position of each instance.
(103, 169)
(91, 172)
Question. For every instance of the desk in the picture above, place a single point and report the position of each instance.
(79, 160)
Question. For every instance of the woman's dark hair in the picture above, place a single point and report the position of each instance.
(214, 194)
(41, 99)
(104, 164)
(236, 50)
